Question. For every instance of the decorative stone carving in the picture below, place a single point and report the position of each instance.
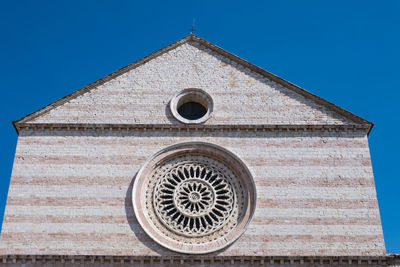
(194, 197)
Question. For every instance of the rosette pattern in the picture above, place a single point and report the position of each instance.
(194, 199)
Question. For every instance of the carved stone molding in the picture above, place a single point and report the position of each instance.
(25, 260)
(187, 127)
(192, 95)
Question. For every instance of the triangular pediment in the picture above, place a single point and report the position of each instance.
(243, 94)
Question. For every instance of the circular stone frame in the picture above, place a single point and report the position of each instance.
(204, 149)
(191, 95)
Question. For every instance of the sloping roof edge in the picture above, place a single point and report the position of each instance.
(192, 37)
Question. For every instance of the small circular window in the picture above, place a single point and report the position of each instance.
(191, 106)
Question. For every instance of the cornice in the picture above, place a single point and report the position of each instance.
(385, 260)
(189, 128)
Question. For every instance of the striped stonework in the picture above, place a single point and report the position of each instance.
(71, 193)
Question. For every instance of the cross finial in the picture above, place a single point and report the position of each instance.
(192, 30)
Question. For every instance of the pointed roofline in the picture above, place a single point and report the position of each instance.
(195, 38)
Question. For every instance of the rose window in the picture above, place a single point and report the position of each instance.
(194, 197)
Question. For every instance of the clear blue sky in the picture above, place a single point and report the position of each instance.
(347, 52)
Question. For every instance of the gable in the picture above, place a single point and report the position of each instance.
(241, 94)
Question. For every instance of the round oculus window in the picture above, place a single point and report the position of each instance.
(194, 197)
(192, 110)
(191, 106)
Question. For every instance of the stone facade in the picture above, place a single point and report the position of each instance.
(76, 161)
(71, 189)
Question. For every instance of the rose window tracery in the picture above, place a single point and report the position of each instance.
(194, 197)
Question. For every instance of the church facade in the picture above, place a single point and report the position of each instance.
(192, 156)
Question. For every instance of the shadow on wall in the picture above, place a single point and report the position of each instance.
(137, 229)
(169, 115)
(142, 236)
